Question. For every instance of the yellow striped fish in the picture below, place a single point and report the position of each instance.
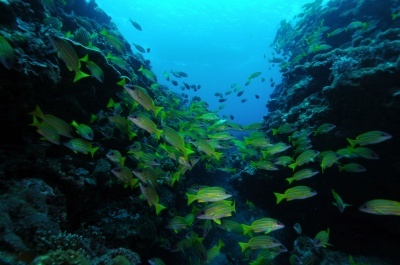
(381, 207)
(143, 98)
(68, 55)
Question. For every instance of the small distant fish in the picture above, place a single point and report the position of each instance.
(148, 50)
(286, 128)
(176, 74)
(356, 25)
(175, 83)
(140, 95)
(47, 131)
(330, 158)
(254, 75)
(365, 152)
(263, 225)
(240, 93)
(276, 60)
(142, 121)
(151, 196)
(257, 96)
(182, 74)
(94, 69)
(336, 32)
(208, 194)
(214, 251)
(283, 160)
(139, 48)
(303, 174)
(243, 100)
(83, 130)
(217, 210)
(352, 167)
(59, 125)
(125, 176)
(7, 56)
(231, 117)
(136, 25)
(321, 239)
(260, 242)
(116, 157)
(304, 158)
(82, 146)
(113, 41)
(166, 75)
(339, 202)
(119, 62)
(295, 193)
(222, 100)
(324, 128)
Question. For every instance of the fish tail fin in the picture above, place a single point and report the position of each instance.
(290, 180)
(191, 198)
(134, 183)
(187, 152)
(217, 155)
(37, 112)
(217, 221)
(264, 153)
(85, 58)
(274, 131)
(131, 135)
(243, 246)
(246, 229)
(111, 103)
(158, 133)
(74, 124)
(157, 110)
(352, 142)
(220, 244)
(279, 197)
(293, 166)
(79, 75)
(104, 32)
(93, 150)
(122, 162)
(93, 118)
(159, 208)
(35, 122)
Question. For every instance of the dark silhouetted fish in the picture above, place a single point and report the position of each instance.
(136, 25)
(139, 48)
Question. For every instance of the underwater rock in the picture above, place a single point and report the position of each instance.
(29, 205)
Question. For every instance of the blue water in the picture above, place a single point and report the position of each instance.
(217, 43)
